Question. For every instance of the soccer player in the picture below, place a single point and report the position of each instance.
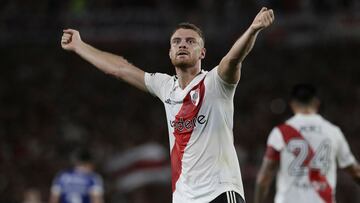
(198, 104)
(80, 184)
(304, 151)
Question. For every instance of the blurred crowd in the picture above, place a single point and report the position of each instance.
(52, 102)
(105, 20)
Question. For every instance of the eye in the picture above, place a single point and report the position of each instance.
(175, 41)
(191, 41)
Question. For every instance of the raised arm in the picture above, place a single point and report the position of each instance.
(264, 178)
(104, 61)
(229, 67)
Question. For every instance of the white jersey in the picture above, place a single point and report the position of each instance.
(308, 147)
(200, 122)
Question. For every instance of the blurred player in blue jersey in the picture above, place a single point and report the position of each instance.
(79, 184)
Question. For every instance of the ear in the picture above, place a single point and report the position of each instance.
(170, 53)
(203, 53)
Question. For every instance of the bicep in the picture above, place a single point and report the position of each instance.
(134, 76)
(229, 70)
(219, 87)
(272, 155)
(267, 171)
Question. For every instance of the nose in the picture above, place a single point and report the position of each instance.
(182, 44)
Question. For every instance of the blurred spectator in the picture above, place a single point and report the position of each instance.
(79, 184)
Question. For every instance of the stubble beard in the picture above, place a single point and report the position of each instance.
(183, 64)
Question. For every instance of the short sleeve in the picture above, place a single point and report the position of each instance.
(156, 84)
(344, 156)
(56, 186)
(275, 140)
(219, 86)
(97, 187)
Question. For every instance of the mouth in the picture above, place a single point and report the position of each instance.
(182, 53)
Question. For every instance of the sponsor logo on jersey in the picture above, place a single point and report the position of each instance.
(188, 124)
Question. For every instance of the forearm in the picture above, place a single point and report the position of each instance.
(230, 66)
(242, 47)
(264, 179)
(261, 191)
(112, 64)
(109, 63)
(246, 42)
(263, 182)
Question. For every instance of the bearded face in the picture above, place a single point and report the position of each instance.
(186, 48)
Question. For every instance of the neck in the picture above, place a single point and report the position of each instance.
(83, 168)
(186, 75)
(305, 110)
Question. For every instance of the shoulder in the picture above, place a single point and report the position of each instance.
(330, 125)
(64, 172)
(61, 176)
(95, 177)
(275, 139)
(213, 74)
(158, 80)
(158, 83)
(275, 132)
(159, 76)
(331, 128)
(219, 87)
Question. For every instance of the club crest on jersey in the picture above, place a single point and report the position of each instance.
(195, 96)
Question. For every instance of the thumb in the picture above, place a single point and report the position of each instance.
(263, 9)
(70, 31)
(66, 46)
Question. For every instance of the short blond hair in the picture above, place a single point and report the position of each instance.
(190, 26)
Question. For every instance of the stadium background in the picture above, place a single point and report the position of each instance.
(51, 101)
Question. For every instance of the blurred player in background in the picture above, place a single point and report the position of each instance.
(304, 151)
(79, 184)
(198, 104)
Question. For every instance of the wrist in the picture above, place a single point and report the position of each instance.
(253, 30)
(79, 46)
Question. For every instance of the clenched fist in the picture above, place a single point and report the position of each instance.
(70, 39)
(263, 19)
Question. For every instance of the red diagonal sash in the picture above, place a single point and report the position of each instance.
(188, 112)
(315, 176)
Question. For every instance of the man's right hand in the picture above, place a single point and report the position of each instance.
(107, 62)
(70, 39)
